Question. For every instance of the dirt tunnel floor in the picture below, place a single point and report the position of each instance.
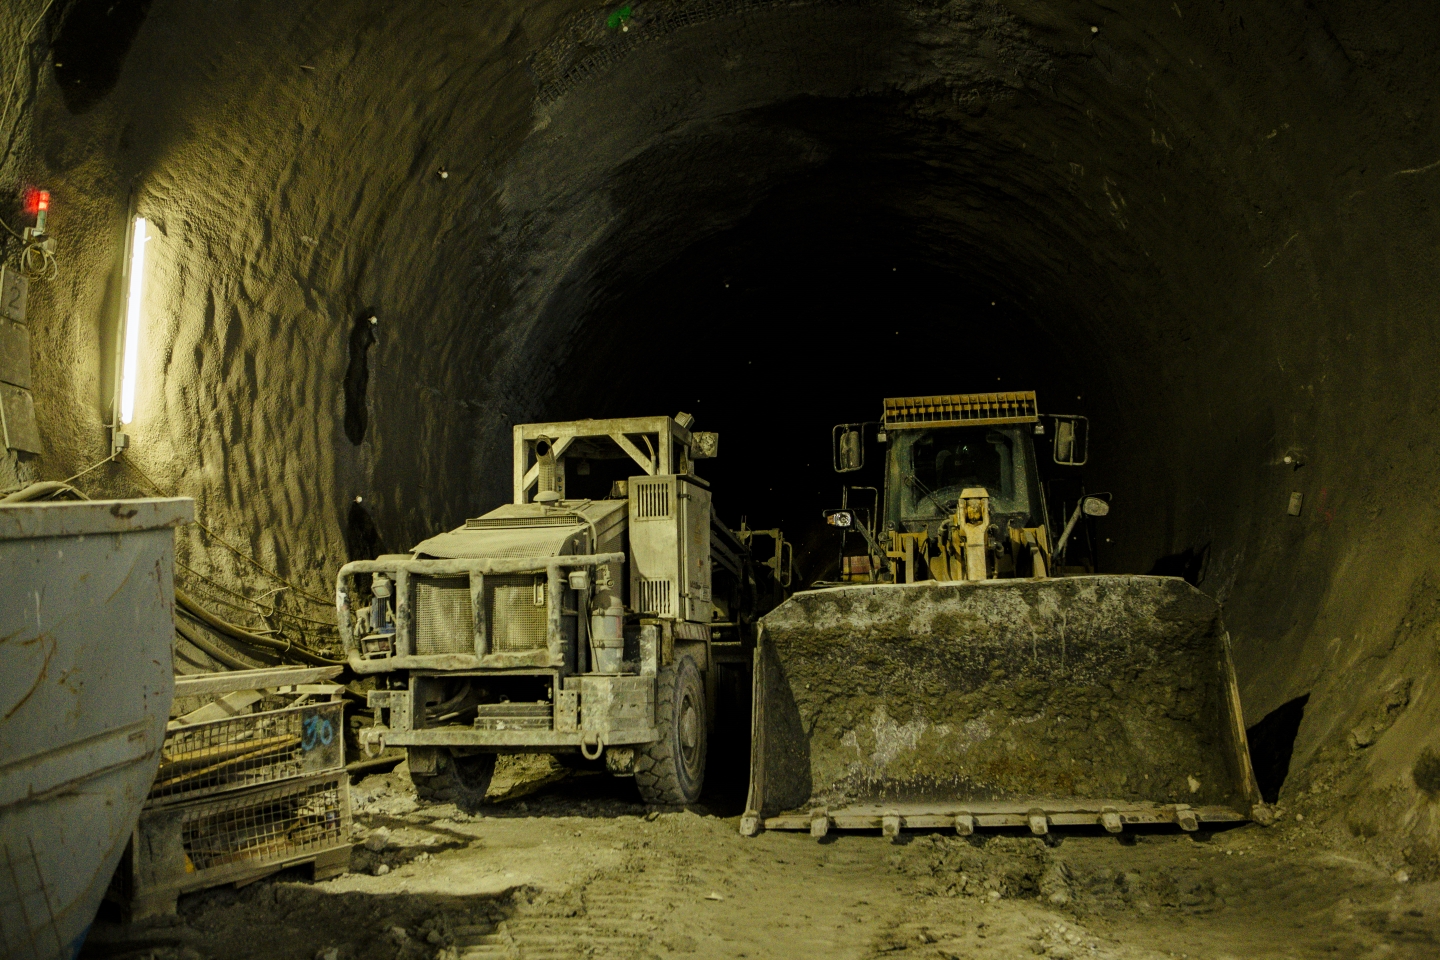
(576, 867)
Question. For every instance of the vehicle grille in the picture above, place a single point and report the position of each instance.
(444, 617)
(961, 408)
(655, 597)
(652, 499)
(518, 623)
(514, 716)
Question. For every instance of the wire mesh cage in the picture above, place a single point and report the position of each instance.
(194, 845)
(250, 750)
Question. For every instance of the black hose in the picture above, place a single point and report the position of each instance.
(213, 650)
(49, 488)
(440, 710)
(365, 766)
(228, 629)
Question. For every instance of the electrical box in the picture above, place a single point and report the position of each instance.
(670, 548)
(15, 353)
(14, 290)
(17, 419)
(17, 407)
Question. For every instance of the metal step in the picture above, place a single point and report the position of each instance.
(515, 716)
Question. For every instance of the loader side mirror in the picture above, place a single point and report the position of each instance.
(840, 518)
(848, 447)
(1072, 441)
(1095, 507)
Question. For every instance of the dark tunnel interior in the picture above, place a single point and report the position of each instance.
(804, 315)
(792, 300)
(382, 234)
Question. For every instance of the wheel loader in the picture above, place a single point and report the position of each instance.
(963, 674)
(591, 618)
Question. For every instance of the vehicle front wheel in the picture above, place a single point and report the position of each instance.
(671, 770)
(462, 780)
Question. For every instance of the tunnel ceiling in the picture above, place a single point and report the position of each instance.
(1210, 227)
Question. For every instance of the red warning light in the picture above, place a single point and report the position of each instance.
(36, 201)
(37, 205)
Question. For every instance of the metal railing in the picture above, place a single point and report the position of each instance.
(476, 569)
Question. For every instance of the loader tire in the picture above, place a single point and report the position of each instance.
(671, 770)
(461, 780)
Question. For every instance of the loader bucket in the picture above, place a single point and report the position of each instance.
(1103, 700)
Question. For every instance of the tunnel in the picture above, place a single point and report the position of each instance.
(384, 233)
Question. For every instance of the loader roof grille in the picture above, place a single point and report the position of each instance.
(961, 409)
(519, 523)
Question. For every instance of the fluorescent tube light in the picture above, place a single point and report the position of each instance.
(133, 303)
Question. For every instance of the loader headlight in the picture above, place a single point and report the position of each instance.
(839, 518)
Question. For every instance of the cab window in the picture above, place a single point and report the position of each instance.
(936, 466)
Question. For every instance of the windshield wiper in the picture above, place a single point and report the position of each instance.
(915, 481)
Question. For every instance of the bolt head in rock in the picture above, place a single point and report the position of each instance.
(1362, 737)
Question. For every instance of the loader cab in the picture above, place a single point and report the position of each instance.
(927, 470)
(961, 497)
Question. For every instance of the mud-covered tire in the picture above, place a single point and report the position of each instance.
(671, 770)
(461, 780)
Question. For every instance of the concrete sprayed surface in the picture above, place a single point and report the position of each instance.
(578, 868)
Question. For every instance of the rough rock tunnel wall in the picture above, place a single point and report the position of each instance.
(1215, 223)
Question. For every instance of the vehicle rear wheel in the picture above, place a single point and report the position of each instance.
(671, 770)
(461, 780)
